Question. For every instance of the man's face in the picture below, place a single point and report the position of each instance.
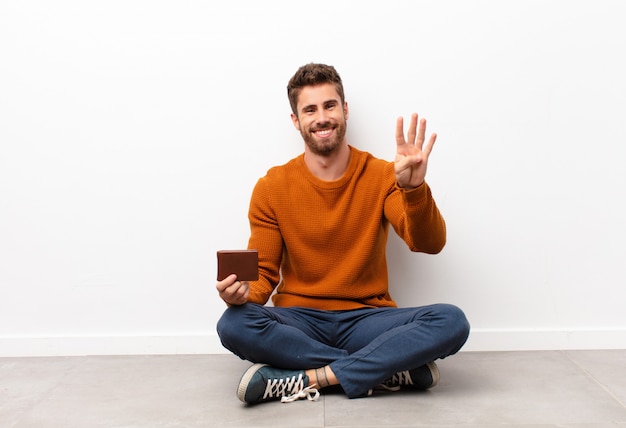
(321, 118)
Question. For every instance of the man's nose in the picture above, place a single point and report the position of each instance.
(322, 116)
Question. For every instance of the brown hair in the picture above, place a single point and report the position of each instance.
(311, 75)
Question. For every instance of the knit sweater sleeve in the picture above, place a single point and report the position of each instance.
(266, 237)
(416, 219)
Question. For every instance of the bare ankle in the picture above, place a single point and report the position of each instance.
(322, 377)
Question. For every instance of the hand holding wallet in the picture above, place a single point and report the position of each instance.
(243, 263)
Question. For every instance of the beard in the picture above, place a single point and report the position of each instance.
(326, 146)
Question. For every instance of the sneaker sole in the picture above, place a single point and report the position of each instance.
(434, 372)
(245, 381)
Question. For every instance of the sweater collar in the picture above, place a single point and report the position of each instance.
(355, 160)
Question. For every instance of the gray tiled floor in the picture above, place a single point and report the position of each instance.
(477, 389)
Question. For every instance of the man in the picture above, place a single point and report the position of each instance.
(320, 224)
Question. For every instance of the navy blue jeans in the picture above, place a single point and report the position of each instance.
(363, 347)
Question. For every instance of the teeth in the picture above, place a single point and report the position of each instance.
(324, 132)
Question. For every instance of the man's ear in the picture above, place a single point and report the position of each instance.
(295, 121)
(345, 110)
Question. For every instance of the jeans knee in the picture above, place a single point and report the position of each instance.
(456, 322)
(229, 324)
(240, 325)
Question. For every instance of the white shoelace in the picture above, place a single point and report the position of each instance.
(397, 380)
(401, 378)
(310, 393)
(290, 389)
(382, 386)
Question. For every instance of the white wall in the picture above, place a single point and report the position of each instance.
(132, 133)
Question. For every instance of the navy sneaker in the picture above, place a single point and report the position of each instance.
(421, 378)
(261, 383)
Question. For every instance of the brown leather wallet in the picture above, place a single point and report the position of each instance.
(243, 263)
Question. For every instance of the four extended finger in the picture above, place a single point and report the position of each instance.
(429, 146)
(421, 134)
(400, 131)
(412, 129)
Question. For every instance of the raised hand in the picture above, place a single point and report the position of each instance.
(411, 153)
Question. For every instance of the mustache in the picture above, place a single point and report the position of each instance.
(321, 126)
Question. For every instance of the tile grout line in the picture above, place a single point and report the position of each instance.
(588, 373)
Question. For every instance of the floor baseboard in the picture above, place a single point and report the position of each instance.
(479, 340)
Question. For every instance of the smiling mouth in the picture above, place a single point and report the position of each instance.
(323, 132)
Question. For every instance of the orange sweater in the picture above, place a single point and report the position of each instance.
(323, 242)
